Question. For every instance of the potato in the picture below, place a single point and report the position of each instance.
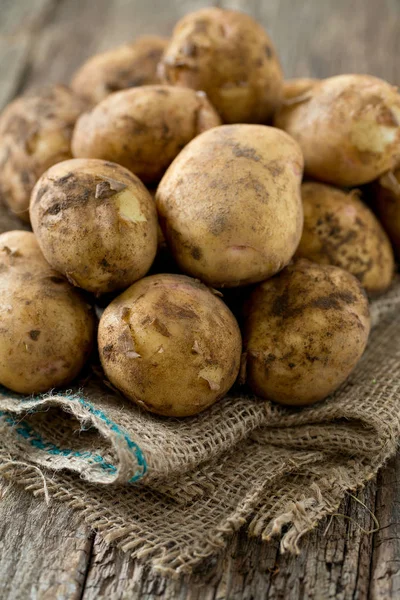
(347, 127)
(386, 202)
(230, 204)
(96, 223)
(143, 128)
(170, 345)
(340, 230)
(228, 55)
(47, 327)
(35, 133)
(19, 247)
(305, 331)
(123, 67)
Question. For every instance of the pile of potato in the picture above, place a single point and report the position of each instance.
(188, 156)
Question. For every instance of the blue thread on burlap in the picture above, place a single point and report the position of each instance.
(27, 432)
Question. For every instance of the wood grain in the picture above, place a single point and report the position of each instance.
(323, 38)
(48, 549)
(335, 564)
(45, 552)
(20, 25)
(385, 576)
(81, 28)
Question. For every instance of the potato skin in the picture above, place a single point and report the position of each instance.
(340, 230)
(126, 66)
(347, 127)
(47, 327)
(386, 203)
(96, 224)
(35, 133)
(170, 345)
(305, 331)
(230, 204)
(227, 54)
(143, 128)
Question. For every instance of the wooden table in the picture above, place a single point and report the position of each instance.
(45, 552)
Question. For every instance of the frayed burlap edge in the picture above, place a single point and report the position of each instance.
(304, 499)
(127, 537)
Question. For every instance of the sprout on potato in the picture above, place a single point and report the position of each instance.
(170, 345)
(96, 223)
(298, 89)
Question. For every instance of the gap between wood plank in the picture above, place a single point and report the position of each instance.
(88, 563)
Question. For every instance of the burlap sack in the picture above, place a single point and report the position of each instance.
(174, 491)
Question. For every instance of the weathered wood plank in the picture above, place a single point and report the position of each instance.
(72, 35)
(80, 29)
(18, 24)
(333, 565)
(23, 17)
(44, 551)
(321, 39)
(385, 576)
(13, 63)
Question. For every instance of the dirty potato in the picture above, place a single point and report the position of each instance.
(96, 224)
(340, 230)
(348, 128)
(230, 205)
(143, 128)
(47, 327)
(170, 345)
(227, 54)
(305, 331)
(126, 66)
(35, 133)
